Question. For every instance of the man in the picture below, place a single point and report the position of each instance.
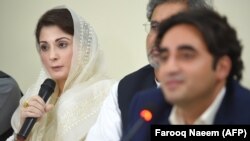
(199, 65)
(10, 95)
(113, 116)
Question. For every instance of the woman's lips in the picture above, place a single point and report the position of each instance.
(57, 68)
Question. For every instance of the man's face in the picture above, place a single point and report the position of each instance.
(185, 66)
(160, 13)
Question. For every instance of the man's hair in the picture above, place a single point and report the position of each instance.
(191, 4)
(58, 17)
(219, 37)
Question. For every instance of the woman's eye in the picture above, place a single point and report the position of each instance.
(44, 47)
(63, 44)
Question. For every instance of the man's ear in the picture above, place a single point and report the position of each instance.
(223, 67)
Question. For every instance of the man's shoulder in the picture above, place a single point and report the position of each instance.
(4, 75)
(8, 85)
(146, 70)
(233, 108)
(141, 79)
(241, 93)
(6, 81)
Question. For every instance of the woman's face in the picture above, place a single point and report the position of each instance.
(56, 50)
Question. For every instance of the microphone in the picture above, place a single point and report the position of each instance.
(151, 110)
(145, 116)
(47, 88)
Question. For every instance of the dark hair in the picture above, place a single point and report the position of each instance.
(219, 37)
(192, 4)
(59, 17)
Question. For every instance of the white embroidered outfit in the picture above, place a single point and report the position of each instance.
(85, 89)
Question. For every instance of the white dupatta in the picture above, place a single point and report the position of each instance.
(85, 89)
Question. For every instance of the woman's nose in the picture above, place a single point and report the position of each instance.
(53, 54)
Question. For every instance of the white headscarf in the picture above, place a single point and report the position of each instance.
(85, 89)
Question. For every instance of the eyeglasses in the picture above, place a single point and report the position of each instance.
(151, 26)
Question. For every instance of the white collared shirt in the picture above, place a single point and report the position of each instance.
(108, 126)
(206, 118)
(157, 83)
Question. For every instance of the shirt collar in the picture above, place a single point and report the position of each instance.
(207, 117)
(157, 83)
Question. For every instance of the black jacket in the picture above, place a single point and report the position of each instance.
(137, 81)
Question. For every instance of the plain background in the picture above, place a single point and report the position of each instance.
(118, 24)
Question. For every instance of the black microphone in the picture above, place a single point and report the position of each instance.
(47, 88)
(152, 110)
(145, 116)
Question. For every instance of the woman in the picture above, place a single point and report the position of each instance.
(69, 52)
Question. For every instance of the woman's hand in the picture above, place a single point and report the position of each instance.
(34, 107)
